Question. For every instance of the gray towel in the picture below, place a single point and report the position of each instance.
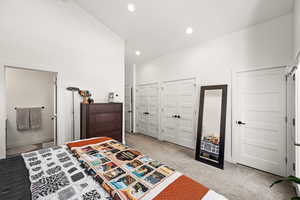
(35, 118)
(23, 119)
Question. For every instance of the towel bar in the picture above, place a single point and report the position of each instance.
(43, 107)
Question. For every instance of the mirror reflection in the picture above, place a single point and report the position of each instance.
(211, 125)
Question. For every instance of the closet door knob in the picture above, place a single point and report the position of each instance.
(240, 123)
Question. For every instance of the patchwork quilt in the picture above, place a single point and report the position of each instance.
(56, 174)
(127, 174)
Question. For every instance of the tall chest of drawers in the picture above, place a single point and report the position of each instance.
(101, 120)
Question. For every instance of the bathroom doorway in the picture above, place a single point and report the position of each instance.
(31, 107)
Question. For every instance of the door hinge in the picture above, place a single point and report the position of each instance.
(294, 122)
(286, 160)
(294, 167)
(286, 77)
(286, 119)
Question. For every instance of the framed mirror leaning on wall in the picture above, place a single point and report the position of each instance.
(211, 125)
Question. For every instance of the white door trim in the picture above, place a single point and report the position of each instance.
(3, 98)
(234, 109)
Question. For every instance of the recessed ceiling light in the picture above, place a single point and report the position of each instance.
(138, 53)
(189, 30)
(131, 7)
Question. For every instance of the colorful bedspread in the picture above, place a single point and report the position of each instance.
(56, 174)
(126, 174)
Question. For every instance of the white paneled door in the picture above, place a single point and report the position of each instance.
(128, 109)
(259, 119)
(179, 112)
(147, 105)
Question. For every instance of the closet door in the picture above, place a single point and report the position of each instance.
(178, 116)
(147, 105)
(128, 109)
(187, 113)
(169, 106)
(141, 109)
(152, 112)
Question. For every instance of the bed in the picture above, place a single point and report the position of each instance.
(95, 169)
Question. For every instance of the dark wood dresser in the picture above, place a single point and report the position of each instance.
(101, 119)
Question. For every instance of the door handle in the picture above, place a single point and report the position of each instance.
(176, 116)
(129, 111)
(240, 123)
(146, 113)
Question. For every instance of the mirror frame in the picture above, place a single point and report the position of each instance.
(220, 163)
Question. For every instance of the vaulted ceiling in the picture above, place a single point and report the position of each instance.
(158, 26)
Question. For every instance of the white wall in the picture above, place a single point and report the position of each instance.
(296, 26)
(296, 51)
(27, 88)
(59, 36)
(266, 44)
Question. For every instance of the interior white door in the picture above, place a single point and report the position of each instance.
(178, 116)
(147, 105)
(141, 109)
(187, 113)
(169, 105)
(128, 109)
(153, 112)
(260, 119)
(291, 116)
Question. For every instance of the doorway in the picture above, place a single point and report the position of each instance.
(259, 119)
(31, 110)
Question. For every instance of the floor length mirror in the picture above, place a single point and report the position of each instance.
(211, 125)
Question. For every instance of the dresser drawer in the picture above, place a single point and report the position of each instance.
(105, 121)
(105, 108)
(116, 135)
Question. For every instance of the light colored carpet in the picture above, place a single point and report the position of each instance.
(235, 182)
